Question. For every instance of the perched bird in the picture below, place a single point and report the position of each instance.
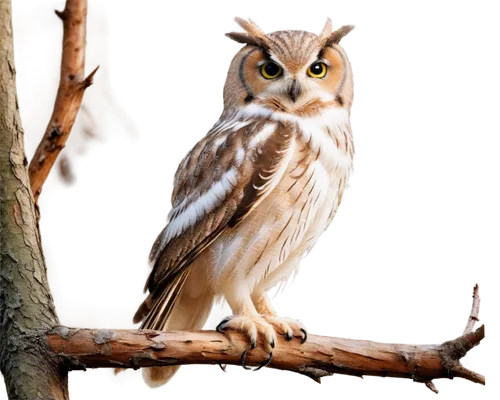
(255, 194)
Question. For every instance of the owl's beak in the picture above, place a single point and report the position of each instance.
(294, 91)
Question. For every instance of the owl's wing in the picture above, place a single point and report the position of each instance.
(224, 177)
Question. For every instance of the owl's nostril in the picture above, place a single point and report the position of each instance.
(294, 91)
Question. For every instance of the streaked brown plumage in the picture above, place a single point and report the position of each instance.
(254, 195)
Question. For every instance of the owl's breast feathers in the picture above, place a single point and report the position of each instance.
(230, 172)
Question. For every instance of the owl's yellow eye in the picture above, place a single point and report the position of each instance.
(270, 70)
(317, 70)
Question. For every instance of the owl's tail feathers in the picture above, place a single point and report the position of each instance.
(154, 378)
(190, 311)
(158, 376)
(120, 376)
(143, 310)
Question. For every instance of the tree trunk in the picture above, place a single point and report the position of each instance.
(27, 312)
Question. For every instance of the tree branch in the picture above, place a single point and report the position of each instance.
(69, 97)
(319, 356)
(474, 317)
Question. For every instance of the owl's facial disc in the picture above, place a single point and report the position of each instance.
(286, 84)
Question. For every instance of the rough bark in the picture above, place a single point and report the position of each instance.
(27, 311)
(319, 356)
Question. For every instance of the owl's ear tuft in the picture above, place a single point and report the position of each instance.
(331, 35)
(254, 36)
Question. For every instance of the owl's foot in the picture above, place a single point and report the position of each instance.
(288, 327)
(252, 327)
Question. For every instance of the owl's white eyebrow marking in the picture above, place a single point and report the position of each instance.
(276, 60)
(205, 204)
(324, 61)
(270, 58)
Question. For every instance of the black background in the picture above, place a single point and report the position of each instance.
(401, 263)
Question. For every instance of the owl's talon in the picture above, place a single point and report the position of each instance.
(220, 327)
(222, 367)
(272, 344)
(288, 327)
(265, 363)
(304, 337)
(253, 345)
(243, 360)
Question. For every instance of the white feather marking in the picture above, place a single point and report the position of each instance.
(316, 129)
(258, 111)
(255, 110)
(265, 185)
(199, 208)
(240, 156)
(225, 124)
(204, 204)
(277, 174)
(326, 96)
(232, 175)
(218, 142)
(240, 125)
(266, 178)
(228, 182)
(263, 135)
(321, 176)
(329, 117)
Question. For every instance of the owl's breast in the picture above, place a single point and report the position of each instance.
(318, 175)
(291, 218)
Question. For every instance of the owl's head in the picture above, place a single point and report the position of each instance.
(289, 71)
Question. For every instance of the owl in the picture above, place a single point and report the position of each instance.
(253, 196)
